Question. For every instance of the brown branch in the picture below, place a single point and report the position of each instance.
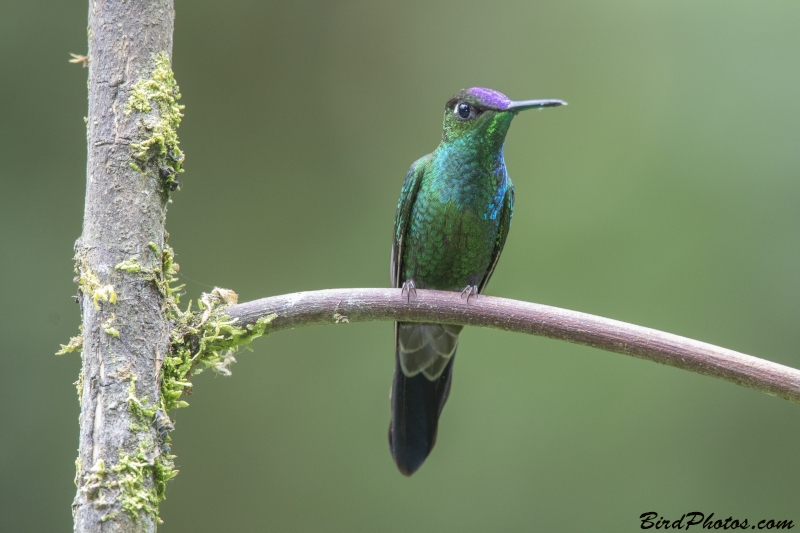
(125, 329)
(360, 305)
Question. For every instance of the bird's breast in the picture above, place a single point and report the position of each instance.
(453, 230)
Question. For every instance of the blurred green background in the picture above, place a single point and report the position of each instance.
(665, 195)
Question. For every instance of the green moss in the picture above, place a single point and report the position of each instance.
(159, 132)
(163, 471)
(79, 385)
(163, 277)
(78, 467)
(105, 293)
(131, 266)
(94, 480)
(74, 344)
(139, 408)
(204, 339)
(133, 496)
(132, 472)
(91, 286)
(109, 329)
(169, 275)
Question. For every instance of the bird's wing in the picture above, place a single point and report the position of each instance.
(404, 205)
(425, 348)
(505, 224)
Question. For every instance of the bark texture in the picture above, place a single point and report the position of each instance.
(357, 305)
(125, 330)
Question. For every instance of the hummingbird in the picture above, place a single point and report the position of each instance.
(452, 221)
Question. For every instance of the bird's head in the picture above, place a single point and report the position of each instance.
(483, 116)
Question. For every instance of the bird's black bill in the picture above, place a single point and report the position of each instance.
(522, 105)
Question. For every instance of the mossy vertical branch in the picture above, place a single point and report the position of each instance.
(133, 159)
(139, 348)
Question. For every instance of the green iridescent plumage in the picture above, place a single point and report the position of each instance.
(452, 220)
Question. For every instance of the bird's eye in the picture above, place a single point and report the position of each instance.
(463, 110)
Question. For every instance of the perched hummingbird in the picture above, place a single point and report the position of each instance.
(451, 224)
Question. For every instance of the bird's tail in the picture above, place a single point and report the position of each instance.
(417, 399)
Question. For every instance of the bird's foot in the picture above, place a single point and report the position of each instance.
(408, 289)
(468, 291)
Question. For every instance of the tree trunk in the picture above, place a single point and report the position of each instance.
(125, 327)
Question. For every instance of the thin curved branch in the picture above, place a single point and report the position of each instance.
(361, 305)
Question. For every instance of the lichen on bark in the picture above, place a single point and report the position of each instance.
(160, 143)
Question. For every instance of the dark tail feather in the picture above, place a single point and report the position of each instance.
(416, 406)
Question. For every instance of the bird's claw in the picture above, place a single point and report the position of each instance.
(468, 291)
(408, 289)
